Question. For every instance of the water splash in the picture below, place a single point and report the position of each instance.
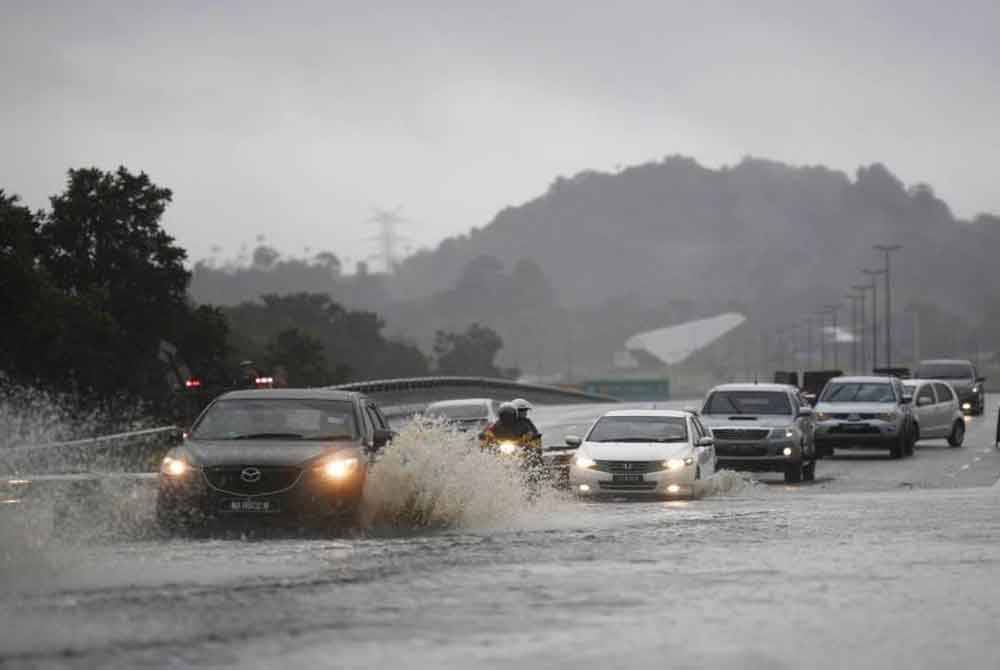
(435, 476)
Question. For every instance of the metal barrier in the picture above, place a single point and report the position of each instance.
(135, 451)
(423, 390)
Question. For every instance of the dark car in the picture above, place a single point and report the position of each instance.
(962, 376)
(286, 457)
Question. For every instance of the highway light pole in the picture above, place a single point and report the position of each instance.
(822, 339)
(832, 310)
(874, 287)
(853, 297)
(887, 249)
(862, 298)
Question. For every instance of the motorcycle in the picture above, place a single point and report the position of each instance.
(526, 449)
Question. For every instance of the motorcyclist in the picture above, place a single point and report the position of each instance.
(527, 426)
(507, 426)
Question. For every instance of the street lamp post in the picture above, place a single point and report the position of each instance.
(832, 310)
(853, 297)
(862, 298)
(887, 249)
(822, 339)
(874, 287)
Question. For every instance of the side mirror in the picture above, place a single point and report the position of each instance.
(805, 412)
(809, 398)
(382, 437)
(705, 442)
(980, 380)
(906, 400)
(573, 441)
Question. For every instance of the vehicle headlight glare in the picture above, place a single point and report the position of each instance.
(174, 467)
(585, 462)
(508, 448)
(678, 463)
(822, 416)
(787, 451)
(339, 468)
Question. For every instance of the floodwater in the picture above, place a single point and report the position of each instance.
(879, 563)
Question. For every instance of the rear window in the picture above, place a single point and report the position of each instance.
(944, 371)
(748, 402)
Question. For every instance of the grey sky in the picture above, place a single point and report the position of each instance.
(294, 122)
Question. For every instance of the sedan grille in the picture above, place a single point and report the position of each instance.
(741, 434)
(627, 486)
(853, 417)
(629, 467)
(271, 479)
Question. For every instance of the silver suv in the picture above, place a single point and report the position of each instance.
(761, 428)
(864, 413)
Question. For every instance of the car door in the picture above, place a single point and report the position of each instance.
(947, 406)
(925, 405)
(706, 455)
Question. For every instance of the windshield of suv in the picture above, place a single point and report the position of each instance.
(278, 419)
(859, 392)
(944, 371)
(470, 412)
(639, 429)
(748, 402)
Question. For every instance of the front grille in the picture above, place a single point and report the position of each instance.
(272, 479)
(741, 434)
(854, 429)
(740, 450)
(629, 467)
(627, 486)
(853, 417)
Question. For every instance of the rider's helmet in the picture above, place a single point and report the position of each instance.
(522, 406)
(507, 411)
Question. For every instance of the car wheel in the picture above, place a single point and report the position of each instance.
(898, 447)
(793, 473)
(957, 434)
(911, 440)
(809, 471)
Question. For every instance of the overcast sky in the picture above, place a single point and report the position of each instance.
(294, 122)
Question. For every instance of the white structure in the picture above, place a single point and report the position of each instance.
(677, 343)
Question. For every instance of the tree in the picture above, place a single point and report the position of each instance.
(301, 355)
(472, 352)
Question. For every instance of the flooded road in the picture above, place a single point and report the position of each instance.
(879, 563)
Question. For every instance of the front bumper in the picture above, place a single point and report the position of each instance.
(191, 501)
(758, 456)
(872, 434)
(587, 482)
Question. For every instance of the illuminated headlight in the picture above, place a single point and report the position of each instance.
(174, 467)
(673, 488)
(822, 416)
(966, 405)
(787, 451)
(582, 461)
(339, 468)
(782, 434)
(975, 389)
(678, 463)
(888, 417)
(508, 448)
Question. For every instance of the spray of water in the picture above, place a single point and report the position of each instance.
(434, 476)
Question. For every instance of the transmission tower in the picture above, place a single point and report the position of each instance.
(388, 237)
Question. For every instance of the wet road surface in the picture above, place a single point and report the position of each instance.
(879, 563)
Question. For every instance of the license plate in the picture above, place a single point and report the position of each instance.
(626, 479)
(258, 506)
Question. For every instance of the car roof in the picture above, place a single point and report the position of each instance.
(874, 379)
(749, 386)
(292, 393)
(666, 413)
(945, 361)
(462, 401)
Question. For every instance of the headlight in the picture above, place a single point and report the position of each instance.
(508, 448)
(585, 462)
(174, 467)
(782, 434)
(975, 389)
(888, 417)
(678, 463)
(822, 416)
(338, 468)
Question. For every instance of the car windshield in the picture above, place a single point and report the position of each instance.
(470, 412)
(859, 392)
(278, 418)
(944, 371)
(748, 402)
(639, 429)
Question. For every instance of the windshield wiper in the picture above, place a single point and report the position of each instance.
(645, 439)
(330, 438)
(267, 436)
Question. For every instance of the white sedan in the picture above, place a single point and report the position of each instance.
(936, 410)
(658, 453)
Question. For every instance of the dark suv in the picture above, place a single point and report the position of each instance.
(962, 376)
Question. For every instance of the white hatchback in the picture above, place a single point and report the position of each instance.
(936, 410)
(654, 453)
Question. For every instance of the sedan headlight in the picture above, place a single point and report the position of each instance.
(821, 416)
(888, 417)
(174, 467)
(782, 434)
(585, 462)
(975, 389)
(678, 463)
(338, 468)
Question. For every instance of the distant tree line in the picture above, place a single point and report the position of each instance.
(94, 298)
